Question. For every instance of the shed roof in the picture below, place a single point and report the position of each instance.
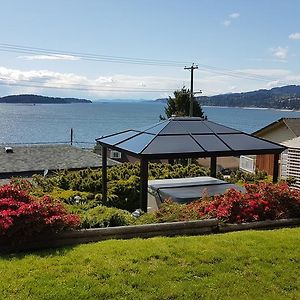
(187, 137)
(292, 124)
(47, 157)
(293, 143)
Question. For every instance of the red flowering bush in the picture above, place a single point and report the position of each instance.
(23, 216)
(262, 201)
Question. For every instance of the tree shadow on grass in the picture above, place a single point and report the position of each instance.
(45, 252)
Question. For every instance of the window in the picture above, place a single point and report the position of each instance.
(115, 154)
(247, 164)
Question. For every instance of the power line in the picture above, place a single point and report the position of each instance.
(130, 60)
(89, 56)
(238, 74)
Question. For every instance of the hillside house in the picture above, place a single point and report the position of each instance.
(24, 161)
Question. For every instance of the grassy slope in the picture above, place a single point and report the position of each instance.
(240, 265)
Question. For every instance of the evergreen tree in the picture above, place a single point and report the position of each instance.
(179, 105)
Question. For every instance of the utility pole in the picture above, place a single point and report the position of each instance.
(71, 136)
(192, 68)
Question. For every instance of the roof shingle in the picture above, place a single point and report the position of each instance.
(48, 157)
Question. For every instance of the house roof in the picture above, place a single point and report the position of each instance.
(293, 124)
(187, 137)
(293, 143)
(47, 157)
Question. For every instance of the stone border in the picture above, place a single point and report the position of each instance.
(269, 224)
(199, 227)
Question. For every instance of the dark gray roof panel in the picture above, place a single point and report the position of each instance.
(246, 142)
(172, 144)
(217, 128)
(138, 143)
(173, 128)
(211, 143)
(119, 137)
(195, 127)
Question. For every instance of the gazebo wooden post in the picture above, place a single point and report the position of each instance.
(104, 173)
(213, 166)
(144, 185)
(275, 168)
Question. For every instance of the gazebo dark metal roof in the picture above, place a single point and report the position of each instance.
(185, 137)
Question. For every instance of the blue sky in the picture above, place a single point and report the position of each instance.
(239, 45)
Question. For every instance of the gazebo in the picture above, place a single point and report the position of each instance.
(183, 137)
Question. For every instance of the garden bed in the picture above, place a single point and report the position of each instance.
(186, 228)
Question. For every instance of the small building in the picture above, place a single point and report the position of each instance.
(41, 159)
(290, 161)
(280, 131)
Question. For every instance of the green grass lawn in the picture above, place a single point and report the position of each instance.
(239, 265)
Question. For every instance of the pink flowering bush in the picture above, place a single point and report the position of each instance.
(23, 217)
(262, 201)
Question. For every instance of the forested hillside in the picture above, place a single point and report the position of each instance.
(286, 97)
(37, 99)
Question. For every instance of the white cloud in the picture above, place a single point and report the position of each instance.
(294, 36)
(229, 19)
(50, 57)
(234, 15)
(119, 85)
(123, 86)
(280, 53)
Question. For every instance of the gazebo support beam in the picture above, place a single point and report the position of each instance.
(275, 168)
(104, 173)
(213, 166)
(144, 185)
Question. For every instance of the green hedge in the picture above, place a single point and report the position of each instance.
(102, 216)
(123, 182)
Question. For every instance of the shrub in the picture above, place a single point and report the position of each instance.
(123, 181)
(102, 216)
(169, 211)
(242, 177)
(263, 201)
(71, 197)
(22, 216)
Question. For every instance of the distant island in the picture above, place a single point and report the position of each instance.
(37, 99)
(285, 97)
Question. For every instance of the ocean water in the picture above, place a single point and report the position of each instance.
(51, 123)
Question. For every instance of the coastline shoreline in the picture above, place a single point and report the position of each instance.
(252, 107)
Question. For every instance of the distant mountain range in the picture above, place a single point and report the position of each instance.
(37, 99)
(285, 97)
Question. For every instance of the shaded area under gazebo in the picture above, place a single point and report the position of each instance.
(183, 137)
